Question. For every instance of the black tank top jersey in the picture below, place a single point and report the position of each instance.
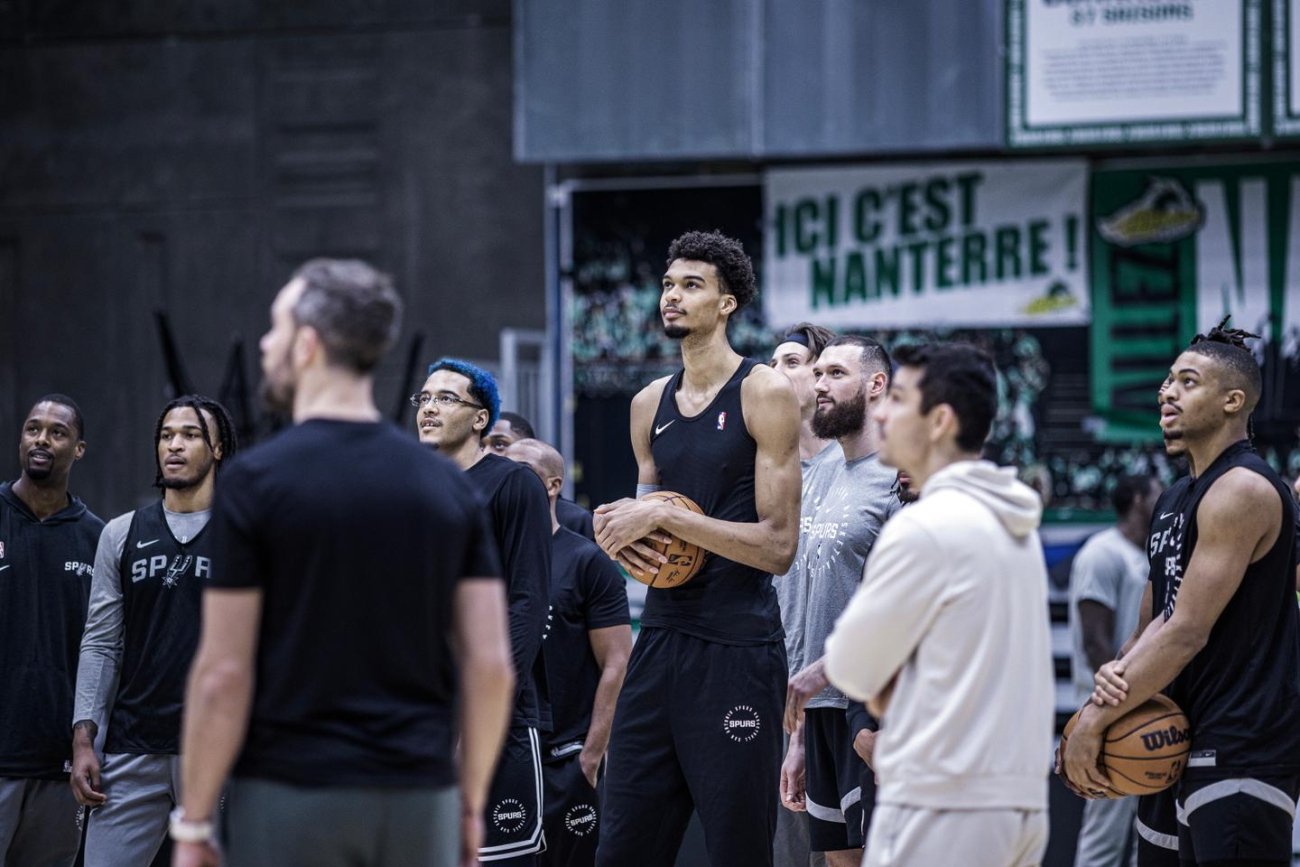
(162, 586)
(1241, 692)
(710, 458)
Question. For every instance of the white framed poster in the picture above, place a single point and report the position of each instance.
(1090, 72)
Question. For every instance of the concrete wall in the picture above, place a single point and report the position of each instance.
(186, 157)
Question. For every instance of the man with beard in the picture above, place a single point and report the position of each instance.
(359, 581)
(698, 722)
(458, 403)
(588, 639)
(512, 427)
(140, 637)
(847, 499)
(47, 546)
(1224, 642)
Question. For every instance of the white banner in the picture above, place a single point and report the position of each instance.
(909, 246)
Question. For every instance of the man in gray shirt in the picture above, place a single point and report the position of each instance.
(1107, 580)
(847, 497)
(141, 633)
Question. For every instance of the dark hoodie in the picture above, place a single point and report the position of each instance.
(45, 571)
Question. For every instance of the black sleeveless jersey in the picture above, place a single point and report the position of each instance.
(1241, 692)
(162, 586)
(710, 458)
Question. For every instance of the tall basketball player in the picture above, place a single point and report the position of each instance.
(47, 548)
(457, 406)
(1227, 641)
(141, 633)
(698, 725)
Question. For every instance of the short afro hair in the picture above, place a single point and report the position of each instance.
(1227, 348)
(519, 424)
(63, 400)
(735, 271)
(482, 385)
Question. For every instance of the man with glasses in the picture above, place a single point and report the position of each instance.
(458, 404)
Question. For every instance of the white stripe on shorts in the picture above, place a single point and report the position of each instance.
(1227, 788)
(826, 814)
(1155, 838)
(536, 841)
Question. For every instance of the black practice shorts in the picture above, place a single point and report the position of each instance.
(572, 814)
(514, 808)
(1247, 818)
(1157, 830)
(698, 726)
(834, 782)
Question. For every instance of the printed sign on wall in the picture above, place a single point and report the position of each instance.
(906, 246)
(1101, 72)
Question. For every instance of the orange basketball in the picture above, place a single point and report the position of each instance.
(684, 559)
(1145, 750)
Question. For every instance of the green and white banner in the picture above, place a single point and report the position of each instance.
(1286, 67)
(1173, 251)
(929, 245)
(1121, 71)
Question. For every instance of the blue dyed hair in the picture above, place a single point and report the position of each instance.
(482, 385)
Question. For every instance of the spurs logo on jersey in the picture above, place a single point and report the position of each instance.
(172, 569)
(1165, 551)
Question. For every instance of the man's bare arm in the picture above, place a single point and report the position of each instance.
(1097, 623)
(218, 697)
(486, 672)
(612, 646)
(1239, 521)
(772, 418)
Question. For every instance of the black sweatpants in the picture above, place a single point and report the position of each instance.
(698, 726)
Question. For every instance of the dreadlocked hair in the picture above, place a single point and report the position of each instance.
(1227, 347)
(225, 429)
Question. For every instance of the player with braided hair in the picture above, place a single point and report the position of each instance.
(141, 632)
(1223, 639)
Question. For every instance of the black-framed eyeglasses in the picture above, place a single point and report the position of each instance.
(421, 399)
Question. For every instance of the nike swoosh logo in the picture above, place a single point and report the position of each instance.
(659, 430)
(1167, 515)
(145, 544)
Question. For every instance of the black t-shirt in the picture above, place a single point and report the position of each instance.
(1241, 692)
(520, 516)
(589, 593)
(162, 582)
(45, 571)
(573, 517)
(357, 536)
(710, 458)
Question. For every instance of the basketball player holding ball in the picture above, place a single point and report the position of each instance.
(1226, 638)
(698, 724)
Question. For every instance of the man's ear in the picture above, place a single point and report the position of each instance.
(729, 304)
(481, 422)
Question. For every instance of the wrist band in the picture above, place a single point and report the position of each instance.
(188, 832)
(642, 490)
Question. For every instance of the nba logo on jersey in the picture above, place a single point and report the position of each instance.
(722, 421)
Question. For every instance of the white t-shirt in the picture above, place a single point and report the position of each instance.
(1112, 571)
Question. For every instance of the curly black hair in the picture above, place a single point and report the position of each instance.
(226, 435)
(735, 271)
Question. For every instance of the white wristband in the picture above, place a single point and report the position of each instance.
(188, 832)
(642, 490)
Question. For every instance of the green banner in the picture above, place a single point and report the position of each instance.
(1173, 250)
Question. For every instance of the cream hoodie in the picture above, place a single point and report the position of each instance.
(955, 600)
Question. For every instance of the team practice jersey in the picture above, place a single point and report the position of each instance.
(45, 569)
(710, 458)
(1241, 692)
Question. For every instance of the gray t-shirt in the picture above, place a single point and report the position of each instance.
(101, 643)
(788, 592)
(844, 506)
(1111, 570)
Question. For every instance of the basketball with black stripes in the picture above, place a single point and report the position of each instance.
(1065, 738)
(684, 559)
(1145, 751)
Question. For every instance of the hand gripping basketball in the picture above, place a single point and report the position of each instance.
(1145, 750)
(684, 559)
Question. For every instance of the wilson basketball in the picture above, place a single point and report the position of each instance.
(1065, 736)
(1145, 750)
(684, 559)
